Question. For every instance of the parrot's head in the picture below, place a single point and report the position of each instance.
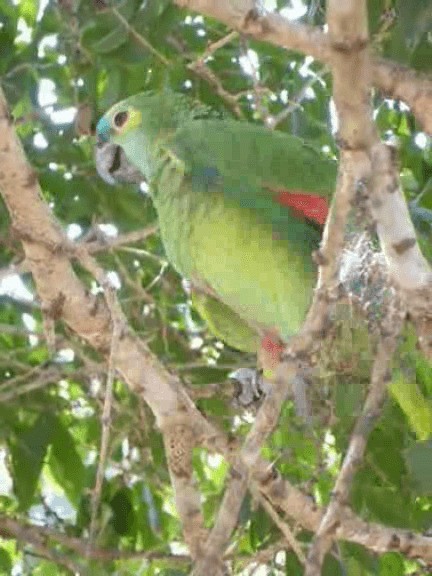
(119, 124)
(118, 136)
(129, 133)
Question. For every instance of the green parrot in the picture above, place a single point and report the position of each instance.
(240, 209)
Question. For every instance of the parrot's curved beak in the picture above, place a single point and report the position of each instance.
(113, 166)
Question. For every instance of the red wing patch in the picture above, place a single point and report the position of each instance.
(309, 206)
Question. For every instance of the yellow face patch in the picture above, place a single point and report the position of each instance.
(125, 119)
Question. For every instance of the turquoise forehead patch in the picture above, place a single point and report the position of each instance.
(103, 129)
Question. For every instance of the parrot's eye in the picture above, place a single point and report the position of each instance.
(120, 119)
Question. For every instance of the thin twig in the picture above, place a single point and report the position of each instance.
(95, 246)
(296, 100)
(139, 38)
(106, 421)
(35, 379)
(283, 527)
(200, 68)
(204, 72)
(217, 45)
(118, 325)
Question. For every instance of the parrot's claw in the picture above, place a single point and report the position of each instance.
(251, 386)
(251, 389)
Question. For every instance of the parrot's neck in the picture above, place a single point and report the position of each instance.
(178, 210)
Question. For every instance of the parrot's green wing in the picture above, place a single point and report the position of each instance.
(276, 159)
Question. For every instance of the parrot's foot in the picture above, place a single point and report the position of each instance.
(252, 387)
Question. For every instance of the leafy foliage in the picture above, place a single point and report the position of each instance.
(63, 64)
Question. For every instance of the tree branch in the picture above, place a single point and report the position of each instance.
(301, 508)
(42, 538)
(394, 80)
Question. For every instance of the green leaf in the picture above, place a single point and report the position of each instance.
(65, 463)
(357, 560)
(111, 41)
(292, 565)
(28, 449)
(5, 561)
(28, 11)
(348, 400)
(391, 564)
(416, 407)
(389, 506)
(46, 568)
(420, 216)
(415, 18)
(261, 528)
(419, 462)
(123, 519)
(332, 567)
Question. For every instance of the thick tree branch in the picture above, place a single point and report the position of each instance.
(408, 268)
(301, 508)
(407, 265)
